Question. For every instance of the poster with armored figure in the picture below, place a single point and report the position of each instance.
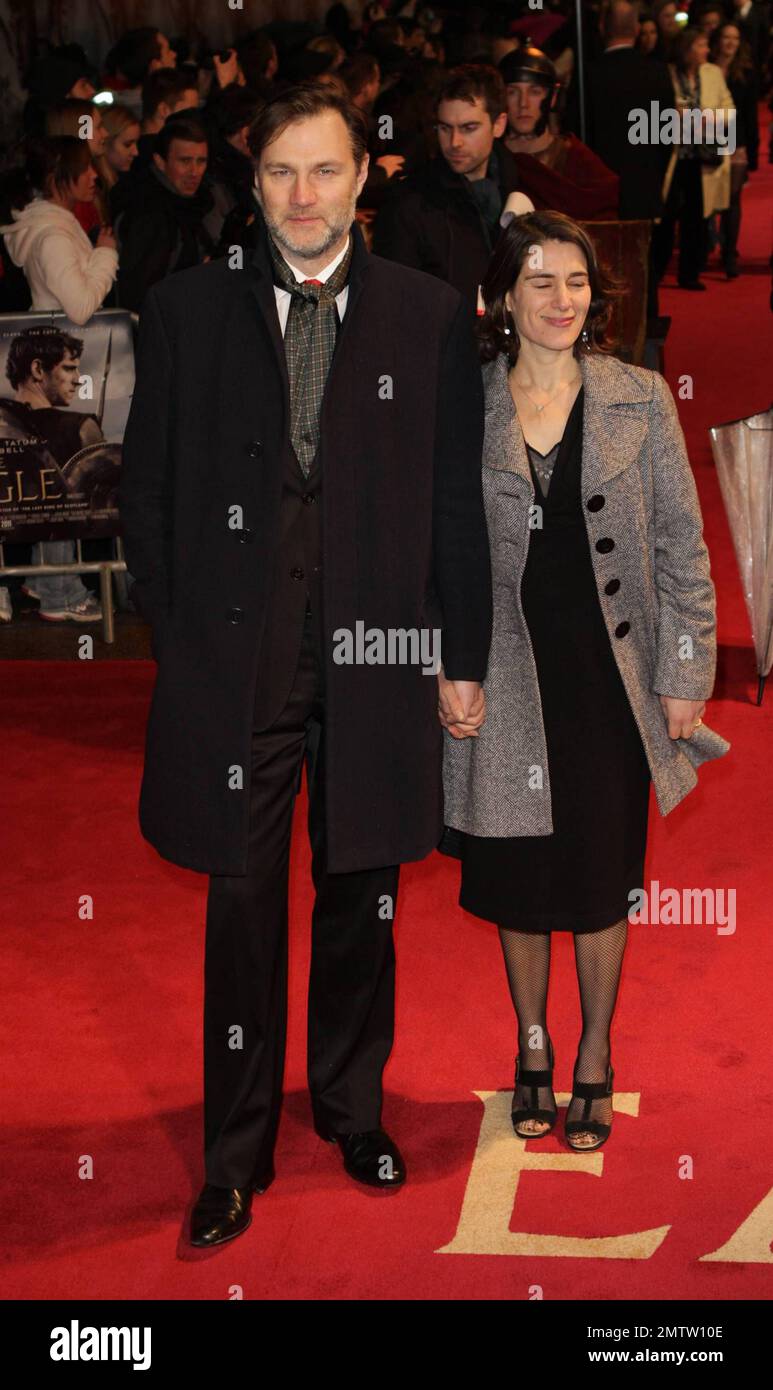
(65, 393)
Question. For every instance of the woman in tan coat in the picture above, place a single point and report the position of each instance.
(697, 182)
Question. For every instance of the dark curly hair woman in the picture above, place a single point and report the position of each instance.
(602, 655)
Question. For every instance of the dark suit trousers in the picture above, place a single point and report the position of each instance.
(351, 983)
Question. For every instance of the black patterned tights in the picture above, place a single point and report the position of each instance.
(598, 957)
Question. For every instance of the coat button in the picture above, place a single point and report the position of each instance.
(296, 572)
(605, 545)
(612, 587)
(235, 615)
(309, 497)
(255, 448)
(246, 535)
(622, 629)
(595, 503)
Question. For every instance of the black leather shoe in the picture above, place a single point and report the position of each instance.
(221, 1213)
(364, 1156)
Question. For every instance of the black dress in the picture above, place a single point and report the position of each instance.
(579, 878)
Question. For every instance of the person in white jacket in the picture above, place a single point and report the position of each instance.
(64, 272)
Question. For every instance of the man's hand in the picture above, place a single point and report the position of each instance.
(392, 163)
(683, 716)
(461, 706)
(228, 71)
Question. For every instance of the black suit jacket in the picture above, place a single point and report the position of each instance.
(430, 221)
(617, 83)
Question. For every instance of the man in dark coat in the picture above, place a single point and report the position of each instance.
(163, 228)
(444, 217)
(303, 479)
(620, 81)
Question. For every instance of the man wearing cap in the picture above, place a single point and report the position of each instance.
(555, 171)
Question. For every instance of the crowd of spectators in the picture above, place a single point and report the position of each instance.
(122, 175)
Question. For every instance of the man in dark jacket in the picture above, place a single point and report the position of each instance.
(619, 82)
(162, 229)
(444, 217)
(302, 484)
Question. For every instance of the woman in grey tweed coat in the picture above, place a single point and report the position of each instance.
(602, 655)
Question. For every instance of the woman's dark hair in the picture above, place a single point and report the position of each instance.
(232, 108)
(743, 63)
(512, 248)
(682, 44)
(57, 161)
(297, 104)
(134, 53)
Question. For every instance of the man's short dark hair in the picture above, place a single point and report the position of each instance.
(165, 84)
(45, 345)
(300, 102)
(475, 82)
(233, 108)
(180, 126)
(358, 71)
(134, 53)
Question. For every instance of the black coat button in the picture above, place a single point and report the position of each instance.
(246, 535)
(296, 572)
(605, 545)
(235, 615)
(612, 587)
(595, 503)
(309, 497)
(254, 448)
(622, 629)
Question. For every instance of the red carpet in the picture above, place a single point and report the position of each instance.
(102, 1029)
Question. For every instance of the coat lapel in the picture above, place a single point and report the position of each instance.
(613, 429)
(612, 434)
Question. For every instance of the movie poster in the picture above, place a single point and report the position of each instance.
(65, 393)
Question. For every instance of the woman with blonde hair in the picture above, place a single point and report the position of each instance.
(123, 132)
(602, 655)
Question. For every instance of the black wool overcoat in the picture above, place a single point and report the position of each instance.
(404, 545)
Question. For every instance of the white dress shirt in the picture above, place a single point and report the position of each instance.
(283, 296)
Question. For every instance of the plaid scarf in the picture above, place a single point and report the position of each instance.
(310, 338)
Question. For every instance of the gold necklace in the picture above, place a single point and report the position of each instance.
(539, 408)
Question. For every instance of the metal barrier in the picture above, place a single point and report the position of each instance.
(104, 568)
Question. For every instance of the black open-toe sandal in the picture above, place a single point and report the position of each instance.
(534, 1079)
(588, 1091)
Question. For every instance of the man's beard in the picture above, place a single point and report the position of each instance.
(328, 236)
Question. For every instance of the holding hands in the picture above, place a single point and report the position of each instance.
(461, 706)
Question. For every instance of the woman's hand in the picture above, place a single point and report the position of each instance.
(461, 706)
(106, 238)
(682, 716)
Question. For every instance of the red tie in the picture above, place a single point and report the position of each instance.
(312, 282)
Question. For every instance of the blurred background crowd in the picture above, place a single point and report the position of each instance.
(124, 127)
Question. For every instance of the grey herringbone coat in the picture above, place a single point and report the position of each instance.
(637, 479)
